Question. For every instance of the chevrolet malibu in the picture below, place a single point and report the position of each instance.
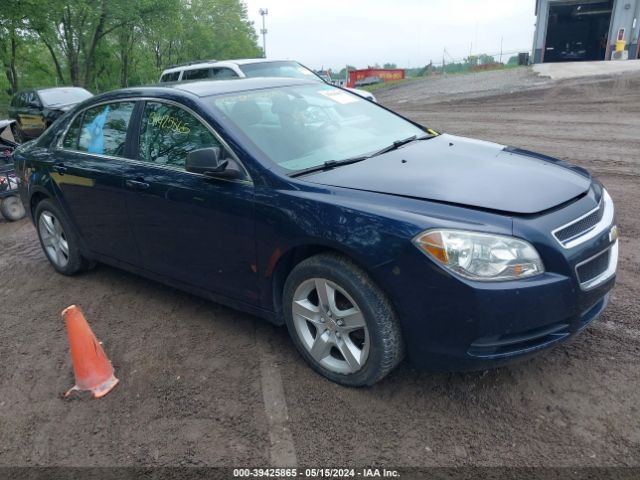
(370, 236)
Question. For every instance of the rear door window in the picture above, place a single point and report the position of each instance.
(168, 133)
(104, 129)
(222, 73)
(197, 74)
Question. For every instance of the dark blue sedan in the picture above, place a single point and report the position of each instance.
(370, 236)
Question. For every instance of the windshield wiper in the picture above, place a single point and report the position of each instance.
(329, 165)
(400, 143)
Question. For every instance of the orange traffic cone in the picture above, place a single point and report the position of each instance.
(91, 366)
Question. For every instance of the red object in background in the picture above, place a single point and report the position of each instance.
(387, 75)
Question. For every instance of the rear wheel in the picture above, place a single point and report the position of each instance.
(12, 209)
(341, 322)
(58, 240)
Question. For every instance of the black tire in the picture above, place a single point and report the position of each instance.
(386, 347)
(76, 262)
(12, 209)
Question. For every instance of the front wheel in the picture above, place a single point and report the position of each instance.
(341, 322)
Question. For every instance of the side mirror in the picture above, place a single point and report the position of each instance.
(205, 160)
(209, 162)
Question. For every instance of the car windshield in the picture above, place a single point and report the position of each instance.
(278, 69)
(302, 127)
(63, 96)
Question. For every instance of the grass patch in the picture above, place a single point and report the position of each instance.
(380, 86)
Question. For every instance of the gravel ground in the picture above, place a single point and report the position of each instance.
(441, 88)
(204, 385)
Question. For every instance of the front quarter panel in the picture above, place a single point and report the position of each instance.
(374, 230)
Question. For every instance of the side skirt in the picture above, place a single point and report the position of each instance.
(268, 315)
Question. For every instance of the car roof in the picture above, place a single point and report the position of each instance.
(245, 61)
(207, 88)
(213, 63)
(190, 66)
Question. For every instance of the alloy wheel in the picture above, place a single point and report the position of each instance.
(54, 239)
(330, 325)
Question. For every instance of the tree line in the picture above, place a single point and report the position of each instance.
(105, 44)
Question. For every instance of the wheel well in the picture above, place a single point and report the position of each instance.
(287, 263)
(36, 198)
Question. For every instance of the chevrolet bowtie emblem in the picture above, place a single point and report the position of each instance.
(614, 234)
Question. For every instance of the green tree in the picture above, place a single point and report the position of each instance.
(343, 73)
(485, 59)
(11, 21)
(101, 44)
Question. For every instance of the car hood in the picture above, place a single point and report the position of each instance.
(466, 172)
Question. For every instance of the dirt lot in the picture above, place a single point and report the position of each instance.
(204, 385)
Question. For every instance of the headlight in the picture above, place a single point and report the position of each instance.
(480, 256)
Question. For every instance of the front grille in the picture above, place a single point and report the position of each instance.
(580, 227)
(594, 267)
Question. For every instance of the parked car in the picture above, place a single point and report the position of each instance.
(36, 109)
(248, 68)
(367, 234)
(573, 51)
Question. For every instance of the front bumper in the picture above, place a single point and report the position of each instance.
(453, 324)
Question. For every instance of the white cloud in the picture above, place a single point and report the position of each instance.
(331, 33)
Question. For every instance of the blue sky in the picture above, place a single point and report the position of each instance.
(331, 33)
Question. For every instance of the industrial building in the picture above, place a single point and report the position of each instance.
(586, 30)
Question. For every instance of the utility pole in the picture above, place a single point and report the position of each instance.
(444, 65)
(264, 12)
(501, 42)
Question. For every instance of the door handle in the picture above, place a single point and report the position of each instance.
(136, 184)
(60, 168)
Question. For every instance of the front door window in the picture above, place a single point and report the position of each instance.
(168, 133)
